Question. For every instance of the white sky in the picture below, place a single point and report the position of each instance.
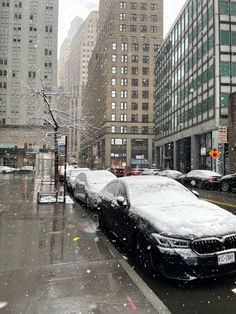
(68, 9)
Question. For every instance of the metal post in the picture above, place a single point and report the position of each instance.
(64, 198)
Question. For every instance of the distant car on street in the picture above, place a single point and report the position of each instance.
(118, 171)
(205, 179)
(228, 182)
(71, 175)
(173, 174)
(89, 184)
(150, 172)
(167, 229)
(25, 170)
(133, 172)
(5, 169)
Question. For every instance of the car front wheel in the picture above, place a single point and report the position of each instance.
(225, 186)
(143, 255)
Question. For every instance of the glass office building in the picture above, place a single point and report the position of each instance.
(195, 72)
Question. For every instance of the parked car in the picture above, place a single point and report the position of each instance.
(72, 174)
(133, 172)
(206, 179)
(150, 172)
(61, 171)
(25, 170)
(89, 184)
(168, 229)
(5, 169)
(173, 174)
(118, 171)
(228, 182)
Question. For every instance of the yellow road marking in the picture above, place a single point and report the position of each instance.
(219, 203)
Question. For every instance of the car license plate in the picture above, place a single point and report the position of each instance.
(226, 258)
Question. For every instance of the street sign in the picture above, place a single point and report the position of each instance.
(223, 134)
(215, 153)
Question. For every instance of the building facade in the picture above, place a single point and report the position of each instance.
(75, 77)
(195, 74)
(119, 94)
(28, 57)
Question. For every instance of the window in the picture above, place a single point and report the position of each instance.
(153, 18)
(135, 47)
(124, 46)
(124, 82)
(145, 94)
(143, 6)
(145, 59)
(113, 129)
(145, 71)
(123, 117)
(134, 129)
(134, 70)
(122, 16)
(113, 58)
(113, 93)
(123, 93)
(123, 129)
(133, 28)
(122, 27)
(134, 59)
(113, 70)
(144, 130)
(134, 117)
(224, 37)
(153, 29)
(145, 83)
(123, 105)
(124, 58)
(134, 106)
(113, 46)
(143, 17)
(145, 118)
(122, 5)
(143, 28)
(133, 17)
(146, 47)
(113, 81)
(113, 105)
(124, 70)
(145, 105)
(134, 82)
(153, 7)
(133, 5)
(225, 68)
(134, 94)
(113, 117)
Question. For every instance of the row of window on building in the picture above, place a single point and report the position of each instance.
(142, 28)
(142, 6)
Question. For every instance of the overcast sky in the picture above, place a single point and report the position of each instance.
(68, 9)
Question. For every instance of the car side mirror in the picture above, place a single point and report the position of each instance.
(195, 193)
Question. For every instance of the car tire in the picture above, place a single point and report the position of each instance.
(225, 186)
(142, 255)
(207, 185)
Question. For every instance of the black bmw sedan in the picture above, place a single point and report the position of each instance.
(168, 229)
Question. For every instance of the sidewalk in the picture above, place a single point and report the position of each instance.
(53, 259)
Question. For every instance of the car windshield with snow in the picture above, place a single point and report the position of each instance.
(181, 236)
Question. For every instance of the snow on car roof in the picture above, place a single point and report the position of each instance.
(175, 210)
(96, 175)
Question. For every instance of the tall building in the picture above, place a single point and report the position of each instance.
(75, 76)
(195, 74)
(28, 56)
(119, 93)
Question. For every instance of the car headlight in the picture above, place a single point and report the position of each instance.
(170, 242)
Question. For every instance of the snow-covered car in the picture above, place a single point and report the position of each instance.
(89, 184)
(72, 174)
(150, 172)
(168, 229)
(228, 182)
(5, 169)
(206, 179)
(173, 174)
(25, 170)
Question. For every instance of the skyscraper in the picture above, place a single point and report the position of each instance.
(119, 94)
